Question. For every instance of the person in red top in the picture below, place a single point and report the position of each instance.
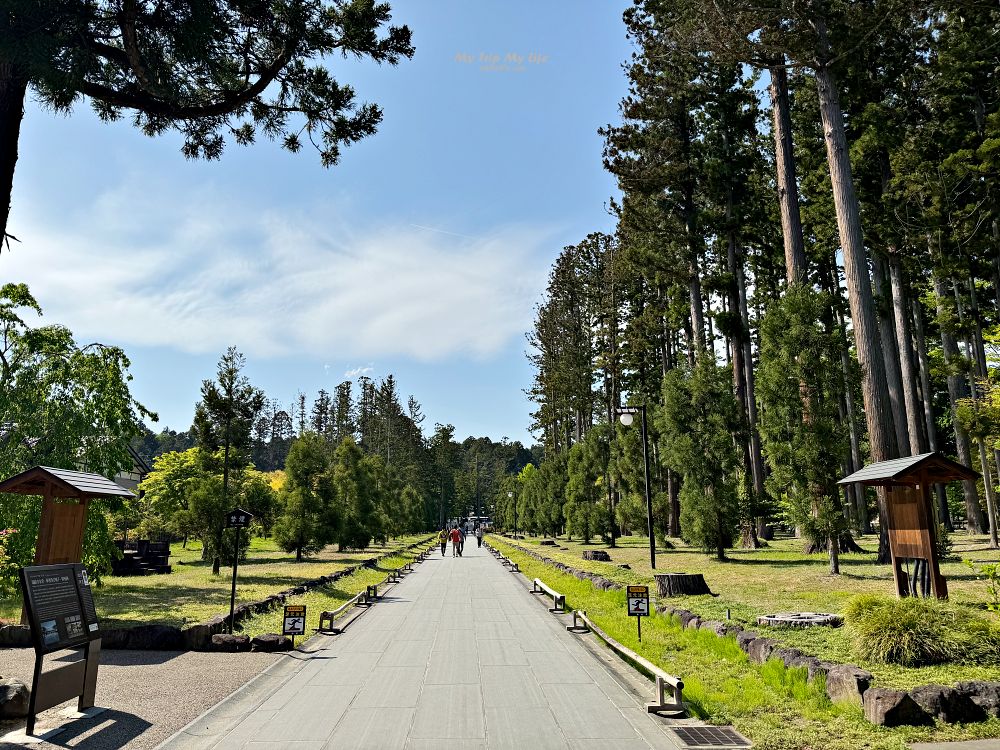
(456, 539)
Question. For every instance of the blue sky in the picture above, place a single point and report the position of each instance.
(422, 254)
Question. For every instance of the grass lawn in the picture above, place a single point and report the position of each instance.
(781, 578)
(775, 707)
(192, 594)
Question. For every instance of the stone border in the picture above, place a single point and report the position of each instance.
(198, 637)
(966, 702)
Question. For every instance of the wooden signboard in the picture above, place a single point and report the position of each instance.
(911, 525)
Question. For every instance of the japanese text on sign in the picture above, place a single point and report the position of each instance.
(638, 601)
(294, 620)
(238, 518)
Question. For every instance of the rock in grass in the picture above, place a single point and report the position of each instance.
(199, 637)
(155, 638)
(230, 643)
(846, 682)
(14, 696)
(787, 656)
(986, 695)
(744, 639)
(597, 554)
(885, 707)
(15, 636)
(716, 626)
(819, 669)
(761, 649)
(270, 642)
(947, 704)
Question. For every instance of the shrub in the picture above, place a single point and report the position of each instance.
(991, 573)
(914, 632)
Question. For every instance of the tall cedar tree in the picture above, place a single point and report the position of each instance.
(223, 419)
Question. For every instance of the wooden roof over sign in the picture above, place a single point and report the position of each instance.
(936, 467)
(62, 483)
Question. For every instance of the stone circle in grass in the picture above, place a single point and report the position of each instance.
(800, 620)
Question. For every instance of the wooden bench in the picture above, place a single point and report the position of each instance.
(558, 600)
(663, 679)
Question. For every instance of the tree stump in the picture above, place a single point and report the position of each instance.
(681, 584)
(548, 543)
(597, 554)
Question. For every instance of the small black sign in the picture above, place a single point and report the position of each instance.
(238, 519)
(294, 620)
(59, 605)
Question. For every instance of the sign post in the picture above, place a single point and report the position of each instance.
(236, 519)
(638, 605)
(294, 621)
(60, 610)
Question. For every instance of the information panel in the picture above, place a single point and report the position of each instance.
(60, 606)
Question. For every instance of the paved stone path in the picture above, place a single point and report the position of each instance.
(456, 656)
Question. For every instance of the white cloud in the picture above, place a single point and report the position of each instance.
(356, 372)
(198, 272)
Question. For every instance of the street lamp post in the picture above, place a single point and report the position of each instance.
(626, 416)
(510, 496)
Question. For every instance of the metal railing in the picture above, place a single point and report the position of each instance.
(663, 679)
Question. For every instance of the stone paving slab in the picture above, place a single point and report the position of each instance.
(458, 655)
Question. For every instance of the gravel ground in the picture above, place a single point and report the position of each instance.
(149, 694)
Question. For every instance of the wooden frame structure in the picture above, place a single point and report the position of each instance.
(911, 523)
(65, 496)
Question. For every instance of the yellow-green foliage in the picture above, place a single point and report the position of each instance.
(782, 578)
(192, 594)
(913, 632)
(775, 707)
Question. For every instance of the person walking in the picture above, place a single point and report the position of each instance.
(456, 540)
(443, 540)
(479, 536)
(461, 540)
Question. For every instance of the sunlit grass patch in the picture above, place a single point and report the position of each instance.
(776, 707)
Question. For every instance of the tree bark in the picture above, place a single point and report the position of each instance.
(756, 454)
(973, 510)
(681, 584)
(866, 336)
(881, 433)
(859, 495)
(907, 366)
(673, 490)
(890, 350)
(990, 501)
(13, 89)
(944, 515)
(784, 162)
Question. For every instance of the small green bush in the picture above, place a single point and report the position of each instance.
(914, 632)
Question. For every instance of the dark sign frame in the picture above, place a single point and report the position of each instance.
(59, 606)
(238, 518)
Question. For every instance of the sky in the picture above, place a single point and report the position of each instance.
(422, 254)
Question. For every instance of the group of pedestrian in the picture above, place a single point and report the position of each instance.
(457, 536)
